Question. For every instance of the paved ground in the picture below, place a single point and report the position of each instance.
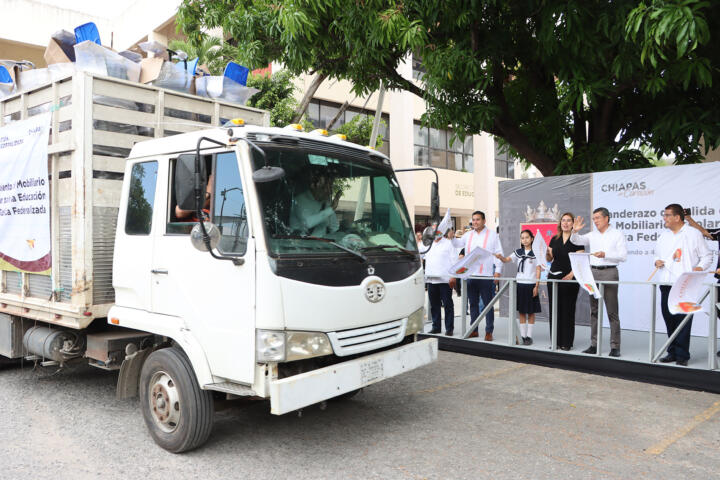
(462, 418)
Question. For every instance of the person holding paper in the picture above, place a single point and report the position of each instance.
(679, 249)
(438, 262)
(483, 237)
(608, 249)
(558, 253)
(528, 281)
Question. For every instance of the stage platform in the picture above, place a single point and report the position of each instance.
(634, 363)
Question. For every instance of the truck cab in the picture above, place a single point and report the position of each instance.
(312, 287)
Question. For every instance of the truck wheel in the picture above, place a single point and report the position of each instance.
(177, 412)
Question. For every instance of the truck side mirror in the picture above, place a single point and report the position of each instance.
(184, 180)
(434, 203)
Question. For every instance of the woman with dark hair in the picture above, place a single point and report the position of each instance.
(557, 253)
(528, 280)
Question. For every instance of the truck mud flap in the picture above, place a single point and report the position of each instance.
(127, 385)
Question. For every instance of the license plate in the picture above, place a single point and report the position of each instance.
(371, 370)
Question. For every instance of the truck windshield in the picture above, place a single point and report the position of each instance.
(329, 202)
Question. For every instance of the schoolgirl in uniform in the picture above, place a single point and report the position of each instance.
(528, 280)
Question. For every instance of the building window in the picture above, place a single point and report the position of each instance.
(504, 163)
(321, 113)
(418, 70)
(433, 149)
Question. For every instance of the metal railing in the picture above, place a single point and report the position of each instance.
(653, 354)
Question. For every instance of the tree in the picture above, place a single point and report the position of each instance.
(207, 49)
(276, 95)
(569, 85)
(359, 129)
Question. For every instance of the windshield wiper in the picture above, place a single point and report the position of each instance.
(384, 247)
(326, 240)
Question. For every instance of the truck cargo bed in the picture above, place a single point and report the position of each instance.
(95, 122)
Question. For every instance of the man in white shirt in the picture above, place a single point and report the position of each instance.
(679, 249)
(311, 211)
(608, 249)
(481, 236)
(438, 261)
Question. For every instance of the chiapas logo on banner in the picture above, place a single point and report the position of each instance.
(24, 196)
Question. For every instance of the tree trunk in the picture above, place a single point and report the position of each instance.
(341, 110)
(317, 81)
(522, 145)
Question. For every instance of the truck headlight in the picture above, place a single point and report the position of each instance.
(415, 321)
(280, 346)
(306, 345)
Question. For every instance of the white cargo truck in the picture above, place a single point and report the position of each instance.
(302, 283)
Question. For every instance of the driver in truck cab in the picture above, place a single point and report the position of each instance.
(191, 215)
(312, 212)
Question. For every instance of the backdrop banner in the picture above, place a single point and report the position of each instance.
(25, 196)
(536, 204)
(636, 200)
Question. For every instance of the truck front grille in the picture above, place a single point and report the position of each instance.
(359, 340)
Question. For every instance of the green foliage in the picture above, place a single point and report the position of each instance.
(276, 95)
(570, 85)
(359, 129)
(209, 50)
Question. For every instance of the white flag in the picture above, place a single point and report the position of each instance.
(469, 263)
(685, 293)
(580, 264)
(444, 225)
(539, 248)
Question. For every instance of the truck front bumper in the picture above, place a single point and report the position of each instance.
(308, 388)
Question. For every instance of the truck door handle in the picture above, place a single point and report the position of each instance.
(159, 270)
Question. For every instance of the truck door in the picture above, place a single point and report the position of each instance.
(214, 297)
(134, 241)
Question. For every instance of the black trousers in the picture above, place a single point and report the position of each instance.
(680, 347)
(440, 295)
(567, 299)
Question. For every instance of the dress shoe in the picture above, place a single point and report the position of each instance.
(488, 337)
(591, 350)
(473, 334)
(614, 352)
(525, 341)
(681, 362)
(667, 359)
(565, 348)
(528, 341)
(449, 333)
(434, 331)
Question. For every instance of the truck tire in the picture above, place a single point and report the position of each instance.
(178, 413)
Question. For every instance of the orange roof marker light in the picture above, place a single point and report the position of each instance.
(238, 122)
(341, 136)
(295, 126)
(319, 131)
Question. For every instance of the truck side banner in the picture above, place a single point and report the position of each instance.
(25, 196)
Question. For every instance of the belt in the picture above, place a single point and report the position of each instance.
(602, 267)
